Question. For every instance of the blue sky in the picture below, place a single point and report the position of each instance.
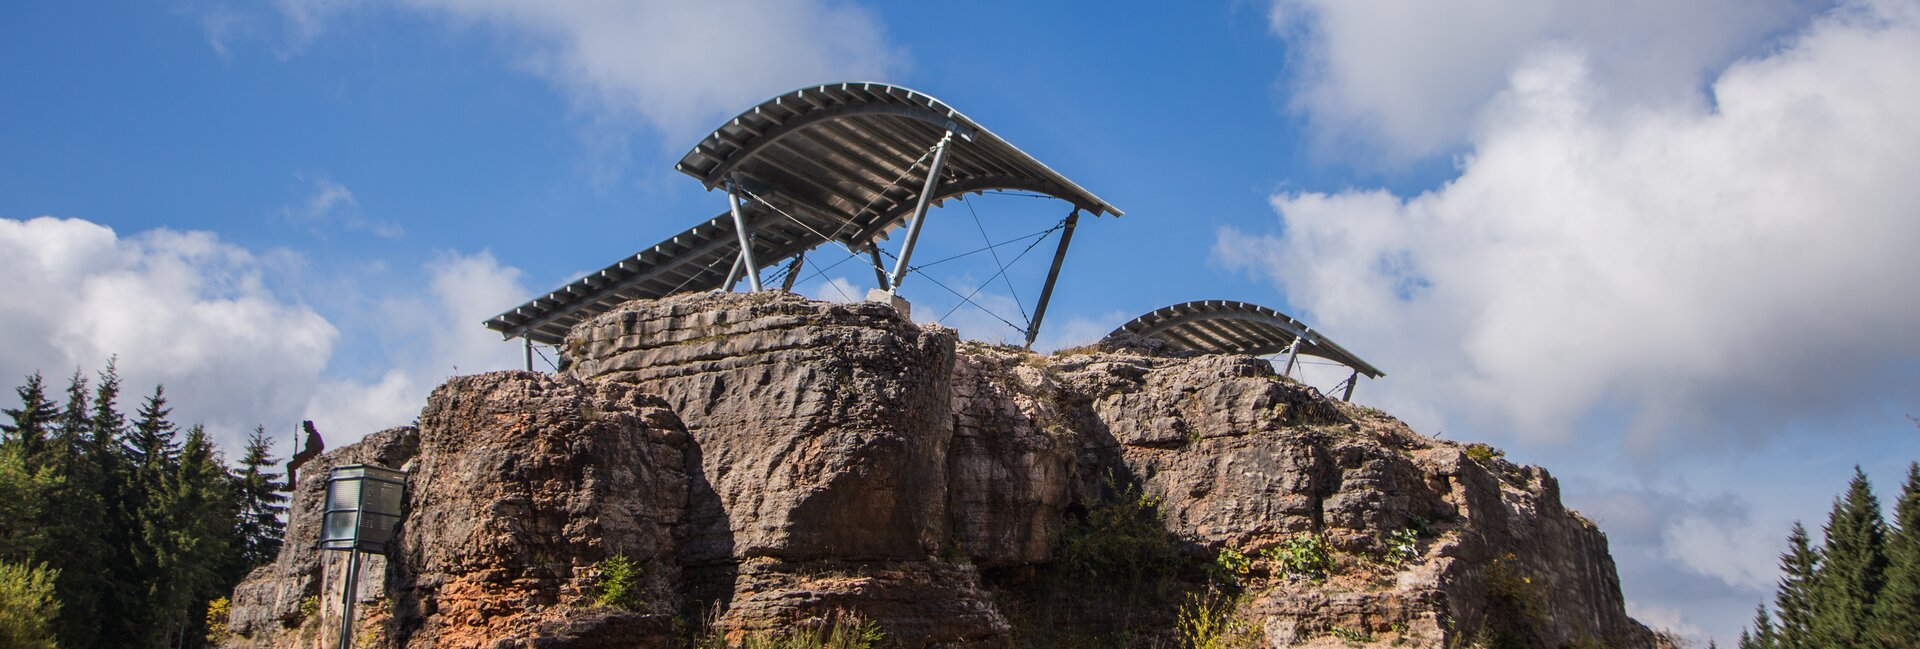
(1657, 247)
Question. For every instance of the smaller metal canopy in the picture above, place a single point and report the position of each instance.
(698, 259)
(1230, 327)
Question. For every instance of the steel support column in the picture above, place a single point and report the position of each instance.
(1293, 354)
(733, 275)
(529, 342)
(1351, 379)
(746, 238)
(879, 267)
(1053, 273)
(920, 211)
(346, 601)
(793, 271)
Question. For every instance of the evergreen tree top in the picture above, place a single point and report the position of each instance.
(108, 424)
(1897, 608)
(1853, 567)
(33, 420)
(151, 441)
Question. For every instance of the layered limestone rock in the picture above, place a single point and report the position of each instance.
(772, 462)
(822, 432)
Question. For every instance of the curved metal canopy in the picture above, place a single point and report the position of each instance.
(1229, 327)
(696, 260)
(842, 162)
(853, 157)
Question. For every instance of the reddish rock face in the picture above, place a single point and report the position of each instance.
(524, 484)
(770, 461)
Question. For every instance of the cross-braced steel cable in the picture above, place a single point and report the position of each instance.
(1004, 278)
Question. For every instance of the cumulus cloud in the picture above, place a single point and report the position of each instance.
(681, 64)
(672, 66)
(204, 318)
(1409, 78)
(1717, 266)
(183, 309)
(429, 337)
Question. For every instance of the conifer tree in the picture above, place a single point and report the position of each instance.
(258, 488)
(151, 446)
(1793, 602)
(151, 456)
(73, 433)
(1852, 568)
(1746, 641)
(81, 527)
(68, 524)
(1896, 623)
(121, 602)
(1764, 637)
(187, 528)
(26, 479)
(23, 506)
(32, 422)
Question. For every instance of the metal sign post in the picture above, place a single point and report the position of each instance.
(362, 513)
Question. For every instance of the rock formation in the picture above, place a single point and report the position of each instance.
(768, 462)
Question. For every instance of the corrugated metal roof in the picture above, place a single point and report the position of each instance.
(1229, 327)
(845, 149)
(841, 162)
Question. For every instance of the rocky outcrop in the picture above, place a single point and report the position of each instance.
(770, 462)
(822, 432)
(524, 486)
(282, 604)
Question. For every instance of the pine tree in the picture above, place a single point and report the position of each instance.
(1793, 602)
(151, 447)
(1764, 637)
(1896, 623)
(81, 526)
(187, 527)
(73, 429)
(122, 602)
(151, 456)
(258, 488)
(1853, 567)
(1746, 641)
(32, 422)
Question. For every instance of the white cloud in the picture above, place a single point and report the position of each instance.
(680, 65)
(1690, 267)
(430, 336)
(837, 289)
(1734, 551)
(180, 308)
(199, 315)
(1409, 78)
(1661, 618)
(332, 205)
(673, 66)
